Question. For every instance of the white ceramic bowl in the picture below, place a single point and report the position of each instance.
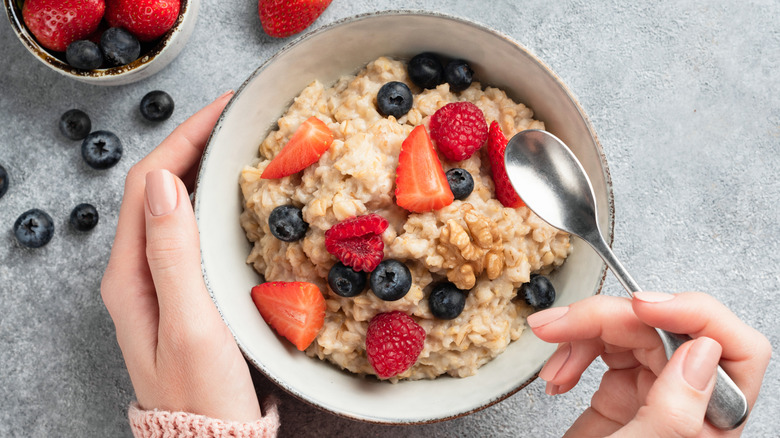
(327, 54)
(149, 63)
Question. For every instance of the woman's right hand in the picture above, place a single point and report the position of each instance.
(643, 394)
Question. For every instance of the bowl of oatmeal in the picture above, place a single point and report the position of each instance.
(420, 235)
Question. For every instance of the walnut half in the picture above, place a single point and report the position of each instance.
(471, 247)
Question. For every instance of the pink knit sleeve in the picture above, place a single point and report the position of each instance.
(165, 424)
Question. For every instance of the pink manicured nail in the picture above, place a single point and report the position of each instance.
(700, 362)
(161, 192)
(547, 316)
(552, 389)
(653, 297)
(226, 94)
(556, 362)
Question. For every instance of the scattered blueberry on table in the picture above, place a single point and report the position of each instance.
(34, 228)
(345, 281)
(75, 124)
(101, 149)
(394, 99)
(84, 217)
(157, 106)
(391, 280)
(461, 182)
(446, 301)
(287, 224)
(538, 292)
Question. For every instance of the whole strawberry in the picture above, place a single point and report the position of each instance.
(57, 23)
(393, 343)
(282, 18)
(147, 20)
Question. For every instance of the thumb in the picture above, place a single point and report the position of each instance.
(677, 401)
(173, 248)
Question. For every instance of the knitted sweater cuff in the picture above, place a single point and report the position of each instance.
(165, 424)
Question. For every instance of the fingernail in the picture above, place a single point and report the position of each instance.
(161, 192)
(653, 297)
(700, 362)
(226, 94)
(556, 362)
(546, 316)
(552, 389)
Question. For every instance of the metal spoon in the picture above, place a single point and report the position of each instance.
(552, 183)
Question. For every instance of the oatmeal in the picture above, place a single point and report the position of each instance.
(475, 243)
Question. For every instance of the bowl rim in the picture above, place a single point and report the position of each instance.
(98, 75)
(609, 232)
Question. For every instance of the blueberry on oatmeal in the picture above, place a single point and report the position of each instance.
(391, 280)
(287, 224)
(458, 74)
(461, 182)
(538, 292)
(345, 281)
(425, 70)
(446, 301)
(394, 99)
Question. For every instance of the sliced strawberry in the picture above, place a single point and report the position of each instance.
(296, 310)
(282, 18)
(495, 147)
(421, 184)
(305, 147)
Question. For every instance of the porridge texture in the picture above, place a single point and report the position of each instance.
(475, 243)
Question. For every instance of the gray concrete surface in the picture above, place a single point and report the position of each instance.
(684, 97)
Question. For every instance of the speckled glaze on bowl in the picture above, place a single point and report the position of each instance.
(150, 62)
(326, 54)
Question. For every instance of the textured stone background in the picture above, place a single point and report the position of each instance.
(684, 97)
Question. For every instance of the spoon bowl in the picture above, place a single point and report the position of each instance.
(553, 183)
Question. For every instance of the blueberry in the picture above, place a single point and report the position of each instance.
(345, 281)
(538, 292)
(461, 182)
(391, 280)
(157, 106)
(75, 124)
(394, 99)
(287, 224)
(84, 217)
(425, 70)
(119, 46)
(101, 149)
(84, 55)
(458, 74)
(3, 181)
(34, 228)
(446, 301)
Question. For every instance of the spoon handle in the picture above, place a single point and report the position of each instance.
(727, 408)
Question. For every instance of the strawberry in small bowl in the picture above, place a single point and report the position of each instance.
(103, 42)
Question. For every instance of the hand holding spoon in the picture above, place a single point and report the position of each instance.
(552, 183)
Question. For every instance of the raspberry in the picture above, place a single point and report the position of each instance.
(393, 343)
(357, 242)
(459, 129)
(496, 147)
